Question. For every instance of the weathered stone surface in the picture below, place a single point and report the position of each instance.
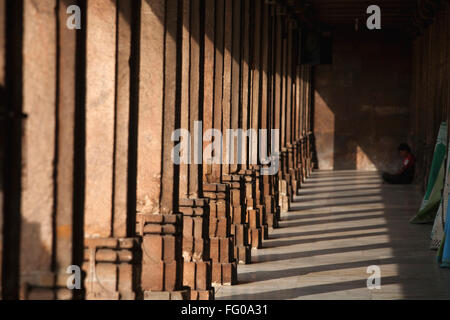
(196, 247)
(208, 80)
(195, 112)
(151, 95)
(2, 131)
(159, 222)
(122, 167)
(246, 71)
(38, 144)
(224, 274)
(362, 130)
(65, 157)
(112, 266)
(100, 115)
(185, 94)
(236, 83)
(216, 169)
(226, 91)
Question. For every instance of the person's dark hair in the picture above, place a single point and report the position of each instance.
(404, 147)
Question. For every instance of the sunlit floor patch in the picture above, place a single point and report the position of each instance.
(340, 224)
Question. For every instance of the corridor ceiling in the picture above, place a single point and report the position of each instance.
(395, 14)
(338, 12)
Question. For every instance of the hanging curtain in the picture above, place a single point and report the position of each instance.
(433, 195)
(438, 227)
(444, 249)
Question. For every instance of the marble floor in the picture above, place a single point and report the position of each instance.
(341, 223)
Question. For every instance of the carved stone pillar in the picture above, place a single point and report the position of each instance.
(239, 70)
(39, 61)
(197, 265)
(284, 187)
(266, 188)
(112, 252)
(195, 208)
(224, 268)
(112, 268)
(159, 218)
(274, 216)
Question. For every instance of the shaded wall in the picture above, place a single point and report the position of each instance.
(430, 94)
(362, 101)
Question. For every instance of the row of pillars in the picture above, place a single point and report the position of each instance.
(100, 183)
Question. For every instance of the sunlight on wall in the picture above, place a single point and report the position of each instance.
(324, 126)
(363, 162)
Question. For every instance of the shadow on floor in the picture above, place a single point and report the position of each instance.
(324, 246)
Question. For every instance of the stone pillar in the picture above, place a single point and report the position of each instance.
(13, 124)
(306, 120)
(296, 119)
(124, 171)
(275, 110)
(301, 123)
(309, 119)
(159, 220)
(2, 125)
(64, 211)
(266, 182)
(292, 145)
(289, 110)
(111, 266)
(255, 206)
(297, 127)
(195, 208)
(38, 149)
(224, 270)
(111, 256)
(280, 111)
(235, 182)
(231, 109)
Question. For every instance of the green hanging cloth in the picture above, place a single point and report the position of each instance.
(433, 195)
(438, 227)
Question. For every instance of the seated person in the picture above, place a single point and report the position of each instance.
(406, 173)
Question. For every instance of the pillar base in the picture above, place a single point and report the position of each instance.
(284, 196)
(202, 295)
(197, 266)
(284, 203)
(197, 275)
(224, 267)
(167, 295)
(272, 221)
(111, 268)
(34, 292)
(255, 234)
(265, 232)
(263, 221)
(243, 254)
(255, 237)
(224, 274)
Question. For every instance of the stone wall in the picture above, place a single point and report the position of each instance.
(430, 95)
(361, 101)
(91, 178)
